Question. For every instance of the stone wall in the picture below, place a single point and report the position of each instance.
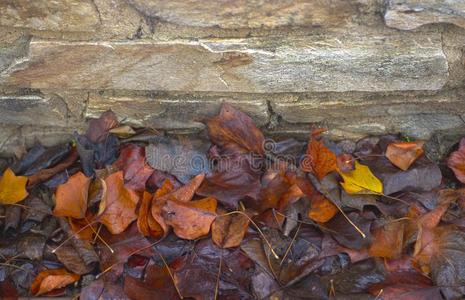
(357, 67)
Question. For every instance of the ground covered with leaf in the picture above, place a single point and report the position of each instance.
(125, 213)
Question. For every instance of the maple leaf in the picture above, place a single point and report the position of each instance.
(319, 159)
(71, 197)
(190, 220)
(456, 162)
(49, 280)
(12, 187)
(404, 154)
(361, 181)
(118, 207)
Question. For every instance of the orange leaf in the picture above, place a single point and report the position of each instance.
(319, 159)
(456, 162)
(403, 154)
(12, 187)
(387, 240)
(146, 224)
(49, 280)
(71, 197)
(190, 220)
(77, 226)
(322, 210)
(228, 231)
(118, 207)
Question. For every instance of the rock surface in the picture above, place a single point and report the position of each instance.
(57, 15)
(250, 13)
(302, 64)
(410, 14)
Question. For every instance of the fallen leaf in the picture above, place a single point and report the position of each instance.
(45, 174)
(99, 128)
(229, 230)
(135, 169)
(71, 197)
(49, 280)
(118, 207)
(233, 126)
(361, 181)
(147, 225)
(190, 220)
(321, 209)
(404, 154)
(123, 131)
(319, 159)
(456, 162)
(12, 187)
(387, 240)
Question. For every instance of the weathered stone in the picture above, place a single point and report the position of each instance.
(172, 114)
(33, 110)
(58, 15)
(250, 13)
(338, 63)
(321, 108)
(12, 51)
(410, 14)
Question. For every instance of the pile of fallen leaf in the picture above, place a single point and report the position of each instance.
(123, 213)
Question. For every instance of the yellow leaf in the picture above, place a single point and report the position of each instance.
(361, 181)
(12, 187)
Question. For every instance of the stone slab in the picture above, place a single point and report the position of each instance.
(410, 14)
(385, 62)
(56, 15)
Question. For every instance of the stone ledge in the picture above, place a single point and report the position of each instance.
(385, 62)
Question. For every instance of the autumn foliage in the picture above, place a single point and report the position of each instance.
(130, 213)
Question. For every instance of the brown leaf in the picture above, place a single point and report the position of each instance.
(71, 197)
(233, 126)
(319, 159)
(321, 209)
(81, 227)
(229, 230)
(99, 128)
(404, 154)
(71, 259)
(12, 187)
(387, 240)
(118, 207)
(49, 280)
(190, 220)
(46, 174)
(456, 162)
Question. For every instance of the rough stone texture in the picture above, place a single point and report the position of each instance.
(410, 14)
(172, 114)
(12, 51)
(57, 15)
(251, 13)
(33, 110)
(336, 106)
(362, 63)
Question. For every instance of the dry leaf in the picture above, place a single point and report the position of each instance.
(123, 131)
(71, 197)
(233, 126)
(229, 230)
(12, 187)
(456, 162)
(322, 210)
(361, 181)
(404, 154)
(118, 207)
(190, 220)
(387, 240)
(146, 224)
(319, 159)
(50, 280)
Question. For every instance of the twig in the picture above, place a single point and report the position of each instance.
(217, 287)
(290, 244)
(99, 237)
(171, 274)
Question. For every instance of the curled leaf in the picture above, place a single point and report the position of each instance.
(404, 154)
(71, 197)
(50, 280)
(361, 181)
(12, 187)
(319, 159)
